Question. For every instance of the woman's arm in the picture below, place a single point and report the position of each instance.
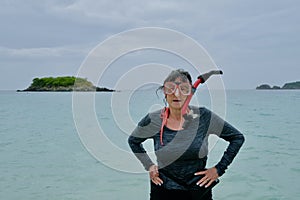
(137, 148)
(138, 136)
(229, 133)
(236, 140)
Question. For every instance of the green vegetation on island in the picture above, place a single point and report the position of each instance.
(286, 86)
(63, 84)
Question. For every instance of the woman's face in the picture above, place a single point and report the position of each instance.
(177, 92)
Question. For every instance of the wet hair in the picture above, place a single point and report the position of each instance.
(179, 73)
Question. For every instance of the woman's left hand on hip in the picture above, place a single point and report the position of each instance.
(210, 175)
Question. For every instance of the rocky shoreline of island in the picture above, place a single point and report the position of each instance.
(286, 86)
(63, 84)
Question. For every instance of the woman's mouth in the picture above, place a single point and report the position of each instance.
(176, 100)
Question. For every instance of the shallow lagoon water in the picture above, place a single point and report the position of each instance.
(42, 156)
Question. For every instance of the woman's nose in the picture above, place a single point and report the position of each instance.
(176, 93)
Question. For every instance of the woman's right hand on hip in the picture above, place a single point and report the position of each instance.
(154, 175)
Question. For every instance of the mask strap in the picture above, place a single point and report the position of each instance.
(164, 115)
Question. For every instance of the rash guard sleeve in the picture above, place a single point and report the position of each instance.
(141, 133)
(230, 134)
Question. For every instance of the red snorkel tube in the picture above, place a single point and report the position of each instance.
(200, 80)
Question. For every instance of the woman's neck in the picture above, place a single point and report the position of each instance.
(175, 114)
(175, 120)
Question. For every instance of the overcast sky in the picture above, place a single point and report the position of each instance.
(253, 41)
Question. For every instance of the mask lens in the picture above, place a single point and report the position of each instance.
(169, 87)
(185, 88)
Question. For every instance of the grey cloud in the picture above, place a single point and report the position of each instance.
(42, 53)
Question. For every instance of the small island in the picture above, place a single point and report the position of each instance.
(63, 84)
(287, 86)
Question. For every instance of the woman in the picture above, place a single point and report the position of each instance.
(181, 144)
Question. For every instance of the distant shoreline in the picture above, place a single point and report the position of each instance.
(63, 84)
(96, 89)
(286, 86)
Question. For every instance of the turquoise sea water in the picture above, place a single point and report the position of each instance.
(42, 156)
